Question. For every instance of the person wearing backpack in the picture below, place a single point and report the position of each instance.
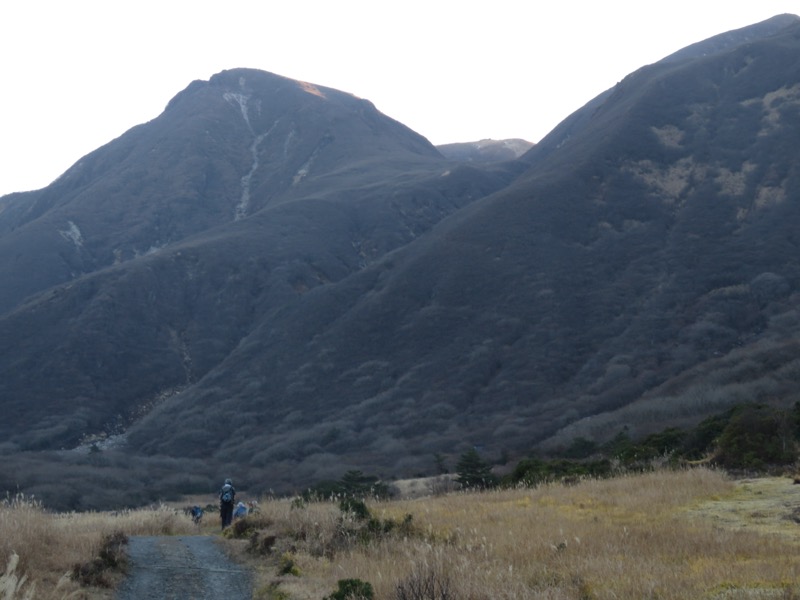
(227, 496)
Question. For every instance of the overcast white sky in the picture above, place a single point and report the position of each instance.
(78, 73)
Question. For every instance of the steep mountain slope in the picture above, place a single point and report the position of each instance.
(367, 303)
(221, 151)
(656, 237)
(145, 264)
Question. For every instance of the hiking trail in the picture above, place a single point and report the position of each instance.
(186, 567)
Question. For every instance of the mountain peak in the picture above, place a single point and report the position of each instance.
(246, 79)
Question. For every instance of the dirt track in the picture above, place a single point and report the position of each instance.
(182, 568)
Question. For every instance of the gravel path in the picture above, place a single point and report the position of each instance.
(182, 568)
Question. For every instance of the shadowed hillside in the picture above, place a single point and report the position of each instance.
(175, 241)
(648, 261)
(277, 276)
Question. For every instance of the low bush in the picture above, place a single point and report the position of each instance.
(757, 436)
(354, 507)
(110, 561)
(751, 437)
(247, 526)
(352, 589)
(260, 544)
(288, 565)
(359, 524)
(534, 471)
(424, 584)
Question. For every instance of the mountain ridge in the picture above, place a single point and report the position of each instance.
(582, 236)
(364, 220)
(319, 288)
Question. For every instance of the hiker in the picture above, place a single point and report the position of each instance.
(240, 511)
(226, 498)
(197, 514)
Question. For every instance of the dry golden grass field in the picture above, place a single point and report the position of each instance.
(693, 534)
(40, 549)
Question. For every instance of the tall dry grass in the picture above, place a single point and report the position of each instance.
(625, 538)
(39, 549)
(634, 537)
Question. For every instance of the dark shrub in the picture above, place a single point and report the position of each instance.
(533, 471)
(261, 544)
(474, 472)
(352, 589)
(353, 484)
(581, 448)
(110, 558)
(424, 585)
(355, 507)
(757, 436)
(245, 526)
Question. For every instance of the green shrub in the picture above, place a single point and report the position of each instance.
(658, 444)
(534, 471)
(288, 566)
(581, 448)
(352, 589)
(700, 440)
(381, 527)
(355, 507)
(748, 436)
(367, 527)
(621, 447)
(757, 436)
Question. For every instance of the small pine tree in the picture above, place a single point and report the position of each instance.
(473, 472)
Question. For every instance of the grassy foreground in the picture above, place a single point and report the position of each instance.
(40, 550)
(657, 535)
(667, 535)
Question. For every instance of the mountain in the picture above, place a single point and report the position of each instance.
(221, 151)
(486, 150)
(275, 278)
(145, 264)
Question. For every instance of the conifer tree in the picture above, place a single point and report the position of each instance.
(473, 471)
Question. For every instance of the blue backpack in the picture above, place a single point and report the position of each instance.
(227, 493)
